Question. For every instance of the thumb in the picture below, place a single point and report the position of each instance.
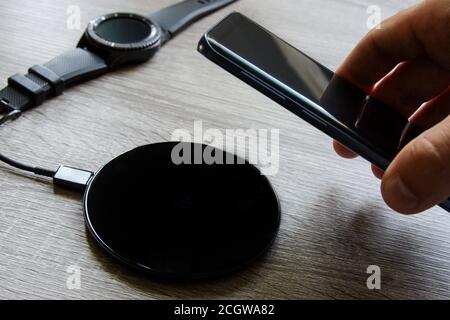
(419, 177)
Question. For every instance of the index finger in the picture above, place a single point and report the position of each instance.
(411, 33)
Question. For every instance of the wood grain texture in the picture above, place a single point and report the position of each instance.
(334, 222)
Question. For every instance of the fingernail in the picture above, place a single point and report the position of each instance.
(399, 193)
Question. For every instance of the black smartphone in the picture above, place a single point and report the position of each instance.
(310, 90)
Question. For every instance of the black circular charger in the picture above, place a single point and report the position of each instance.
(185, 221)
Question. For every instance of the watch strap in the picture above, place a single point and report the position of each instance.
(48, 80)
(178, 16)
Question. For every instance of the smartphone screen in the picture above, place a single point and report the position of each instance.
(353, 118)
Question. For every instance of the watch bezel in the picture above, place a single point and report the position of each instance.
(153, 38)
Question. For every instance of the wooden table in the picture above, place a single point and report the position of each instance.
(334, 222)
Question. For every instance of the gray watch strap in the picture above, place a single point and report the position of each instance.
(178, 16)
(50, 79)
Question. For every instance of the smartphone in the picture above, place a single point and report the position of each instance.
(297, 82)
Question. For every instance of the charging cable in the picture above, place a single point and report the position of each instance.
(69, 178)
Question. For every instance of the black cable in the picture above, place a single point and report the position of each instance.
(66, 177)
(69, 178)
(36, 170)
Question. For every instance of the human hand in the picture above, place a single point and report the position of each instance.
(406, 64)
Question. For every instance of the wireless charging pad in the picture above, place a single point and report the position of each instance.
(186, 221)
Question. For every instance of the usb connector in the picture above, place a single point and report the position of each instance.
(72, 179)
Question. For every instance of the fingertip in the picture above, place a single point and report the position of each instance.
(398, 196)
(377, 172)
(343, 151)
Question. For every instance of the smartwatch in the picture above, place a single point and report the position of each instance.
(109, 42)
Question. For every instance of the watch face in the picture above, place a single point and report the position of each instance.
(124, 31)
